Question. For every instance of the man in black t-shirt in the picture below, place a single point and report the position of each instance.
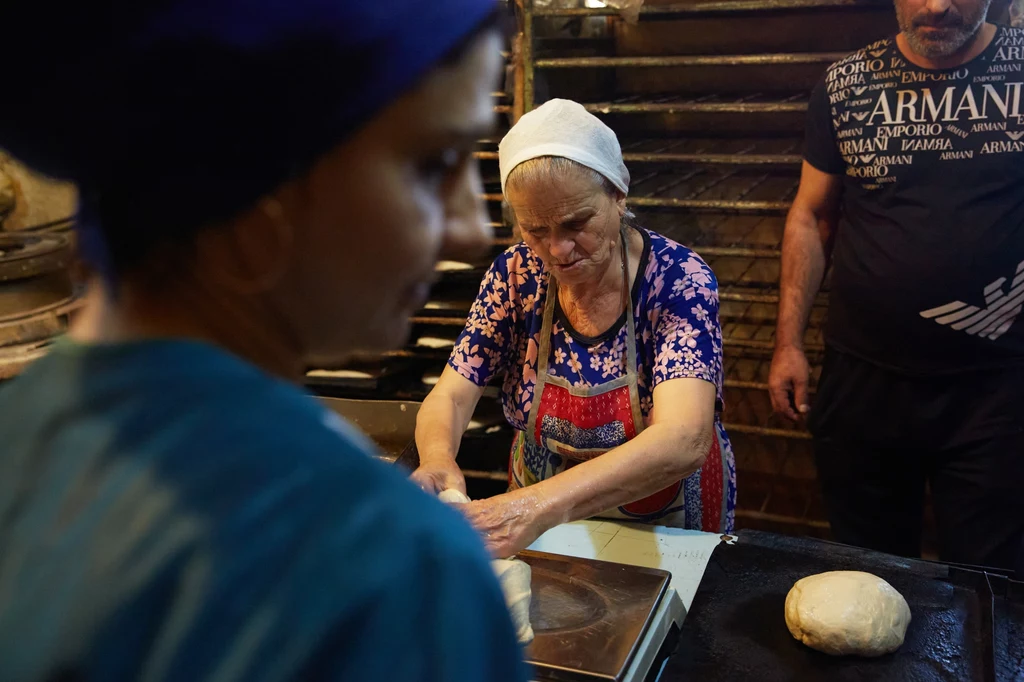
(913, 185)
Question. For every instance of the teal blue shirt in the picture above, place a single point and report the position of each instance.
(168, 512)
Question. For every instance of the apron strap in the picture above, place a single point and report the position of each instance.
(631, 359)
(544, 342)
(630, 322)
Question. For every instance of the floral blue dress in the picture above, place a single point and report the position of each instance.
(675, 304)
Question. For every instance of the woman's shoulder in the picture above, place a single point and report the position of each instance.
(517, 255)
(517, 266)
(671, 260)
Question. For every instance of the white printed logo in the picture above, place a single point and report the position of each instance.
(1000, 312)
(1014, 136)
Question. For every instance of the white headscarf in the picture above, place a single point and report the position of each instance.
(561, 127)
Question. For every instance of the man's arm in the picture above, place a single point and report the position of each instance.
(809, 228)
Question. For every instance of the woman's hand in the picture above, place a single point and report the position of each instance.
(437, 475)
(510, 522)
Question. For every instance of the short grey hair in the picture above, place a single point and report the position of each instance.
(543, 168)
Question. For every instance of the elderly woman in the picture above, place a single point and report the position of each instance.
(267, 185)
(608, 339)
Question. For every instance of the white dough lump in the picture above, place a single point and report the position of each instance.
(513, 575)
(847, 613)
(453, 496)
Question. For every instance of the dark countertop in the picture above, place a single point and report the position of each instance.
(966, 625)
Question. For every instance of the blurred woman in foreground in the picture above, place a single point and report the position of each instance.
(265, 186)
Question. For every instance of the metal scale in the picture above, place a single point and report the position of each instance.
(596, 620)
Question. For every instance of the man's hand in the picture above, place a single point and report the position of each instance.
(435, 476)
(787, 382)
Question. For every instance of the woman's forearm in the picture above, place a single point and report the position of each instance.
(659, 456)
(444, 416)
(439, 428)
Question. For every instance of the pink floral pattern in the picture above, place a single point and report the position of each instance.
(676, 312)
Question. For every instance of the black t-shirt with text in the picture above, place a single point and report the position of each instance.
(929, 254)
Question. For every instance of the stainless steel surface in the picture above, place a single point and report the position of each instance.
(589, 616)
(389, 423)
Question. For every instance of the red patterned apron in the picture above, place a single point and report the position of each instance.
(569, 424)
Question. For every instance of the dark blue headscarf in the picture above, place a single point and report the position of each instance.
(174, 114)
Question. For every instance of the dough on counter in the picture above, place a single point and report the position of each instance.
(847, 612)
(513, 575)
(453, 496)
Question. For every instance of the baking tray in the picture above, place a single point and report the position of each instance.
(589, 616)
(962, 623)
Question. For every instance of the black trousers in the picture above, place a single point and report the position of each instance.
(880, 438)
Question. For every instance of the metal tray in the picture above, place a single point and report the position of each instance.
(588, 616)
(962, 628)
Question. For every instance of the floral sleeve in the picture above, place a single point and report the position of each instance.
(688, 336)
(484, 346)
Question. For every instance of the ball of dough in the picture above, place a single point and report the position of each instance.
(847, 612)
(515, 576)
(453, 496)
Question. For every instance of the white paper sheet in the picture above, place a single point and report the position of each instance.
(684, 553)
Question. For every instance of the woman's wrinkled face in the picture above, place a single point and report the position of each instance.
(373, 217)
(569, 221)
